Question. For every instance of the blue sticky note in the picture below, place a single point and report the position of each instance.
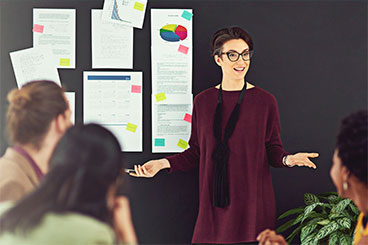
(159, 142)
(187, 15)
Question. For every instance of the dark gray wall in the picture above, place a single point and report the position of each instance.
(312, 55)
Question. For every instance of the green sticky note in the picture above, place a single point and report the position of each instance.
(187, 15)
(160, 97)
(159, 142)
(182, 144)
(138, 6)
(131, 127)
(64, 62)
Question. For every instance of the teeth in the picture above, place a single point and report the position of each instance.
(239, 69)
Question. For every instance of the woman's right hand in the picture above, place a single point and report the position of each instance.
(150, 168)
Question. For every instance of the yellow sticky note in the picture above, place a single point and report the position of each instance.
(64, 62)
(182, 144)
(160, 97)
(131, 127)
(138, 6)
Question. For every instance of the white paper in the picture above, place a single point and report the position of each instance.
(112, 44)
(109, 100)
(34, 64)
(168, 124)
(58, 31)
(70, 96)
(171, 69)
(126, 12)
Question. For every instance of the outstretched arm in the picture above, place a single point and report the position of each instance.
(150, 168)
(300, 159)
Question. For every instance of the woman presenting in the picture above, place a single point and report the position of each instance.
(235, 136)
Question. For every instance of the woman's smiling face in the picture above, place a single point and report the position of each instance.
(233, 70)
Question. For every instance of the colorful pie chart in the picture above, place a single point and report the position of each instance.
(173, 33)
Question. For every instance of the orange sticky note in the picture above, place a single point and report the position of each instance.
(38, 28)
(188, 118)
(136, 89)
(183, 49)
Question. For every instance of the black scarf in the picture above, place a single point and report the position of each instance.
(220, 154)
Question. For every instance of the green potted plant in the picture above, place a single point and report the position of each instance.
(325, 219)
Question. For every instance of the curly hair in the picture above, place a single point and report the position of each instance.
(352, 144)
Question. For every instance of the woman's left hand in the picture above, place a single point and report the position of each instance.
(301, 159)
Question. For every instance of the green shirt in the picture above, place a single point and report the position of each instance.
(64, 229)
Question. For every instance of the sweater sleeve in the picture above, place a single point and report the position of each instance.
(275, 151)
(189, 158)
(11, 191)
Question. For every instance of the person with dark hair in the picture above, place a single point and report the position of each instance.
(37, 116)
(75, 202)
(236, 199)
(348, 172)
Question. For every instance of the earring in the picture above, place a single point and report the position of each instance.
(345, 186)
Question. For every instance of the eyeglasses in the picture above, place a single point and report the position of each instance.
(233, 56)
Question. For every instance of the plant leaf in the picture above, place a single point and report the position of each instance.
(327, 230)
(354, 208)
(308, 210)
(285, 226)
(344, 222)
(326, 194)
(323, 222)
(333, 216)
(333, 239)
(310, 239)
(333, 199)
(306, 230)
(298, 219)
(290, 212)
(340, 206)
(345, 239)
(290, 238)
(310, 198)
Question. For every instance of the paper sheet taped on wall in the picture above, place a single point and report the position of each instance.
(168, 126)
(70, 96)
(112, 44)
(108, 100)
(34, 64)
(125, 12)
(171, 51)
(56, 28)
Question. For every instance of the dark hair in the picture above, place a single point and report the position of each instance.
(352, 144)
(85, 164)
(221, 36)
(31, 110)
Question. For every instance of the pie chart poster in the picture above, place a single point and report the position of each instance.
(170, 29)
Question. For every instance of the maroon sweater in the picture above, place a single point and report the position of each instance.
(254, 145)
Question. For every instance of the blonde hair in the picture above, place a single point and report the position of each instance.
(31, 110)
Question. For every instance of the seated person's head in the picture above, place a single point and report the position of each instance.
(38, 108)
(84, 172)
(349, 170)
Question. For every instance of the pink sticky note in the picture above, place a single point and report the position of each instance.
(136, 89)
(183, 49)
(188, 118)
(37, 28)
